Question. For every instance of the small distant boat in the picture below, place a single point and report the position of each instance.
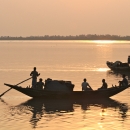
(118, 66)
(44, 93)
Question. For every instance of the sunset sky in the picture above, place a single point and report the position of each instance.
(64, 17)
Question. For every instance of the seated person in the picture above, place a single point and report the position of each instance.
(40, 84)
(124, 81)
(104, 84)
(85, 86)
(128, 59)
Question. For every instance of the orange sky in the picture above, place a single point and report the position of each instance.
(64, 17)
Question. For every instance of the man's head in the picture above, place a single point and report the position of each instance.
(123, 75)
(84, 79)
(103, 80)
(34, 68)
(40, 79)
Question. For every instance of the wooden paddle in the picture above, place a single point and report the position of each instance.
(16, 84)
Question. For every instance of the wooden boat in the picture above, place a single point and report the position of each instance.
(118, 66)
(37, 93)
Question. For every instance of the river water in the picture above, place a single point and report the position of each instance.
(63, 60)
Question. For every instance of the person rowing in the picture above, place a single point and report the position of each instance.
(34, 75)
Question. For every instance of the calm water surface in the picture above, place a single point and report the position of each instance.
(63, 60)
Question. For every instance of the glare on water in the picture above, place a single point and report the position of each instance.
(63, 60)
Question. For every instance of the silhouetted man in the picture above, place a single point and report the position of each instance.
(86, 86)
(40, 84)
(124, 82)
(34, 75)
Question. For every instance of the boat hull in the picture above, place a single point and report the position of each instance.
(36, 93)
(117, 68)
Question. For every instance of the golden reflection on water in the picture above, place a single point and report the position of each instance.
(104, 41)
(60, 60)
(104, 112)
(94, 114)
(102, 69)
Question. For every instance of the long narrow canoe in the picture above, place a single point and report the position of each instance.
(37, 93)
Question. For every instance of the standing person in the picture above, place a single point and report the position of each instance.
(85, 85)
(34, 75)
(124, 81)
(40, 84)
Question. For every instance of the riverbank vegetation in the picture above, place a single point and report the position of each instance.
(70, 37)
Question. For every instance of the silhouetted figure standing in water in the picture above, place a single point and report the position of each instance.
(85, 85)
(34, 75)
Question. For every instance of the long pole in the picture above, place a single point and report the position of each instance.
(16, 84)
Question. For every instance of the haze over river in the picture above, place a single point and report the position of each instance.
(63, 60)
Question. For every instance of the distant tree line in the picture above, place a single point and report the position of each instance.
(70, 37)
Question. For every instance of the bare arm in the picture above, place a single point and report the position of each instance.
(31, 74)
(38, 74)
(90, 86)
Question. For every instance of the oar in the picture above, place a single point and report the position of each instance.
(16, 84)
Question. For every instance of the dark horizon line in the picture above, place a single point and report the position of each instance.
(68, 37)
